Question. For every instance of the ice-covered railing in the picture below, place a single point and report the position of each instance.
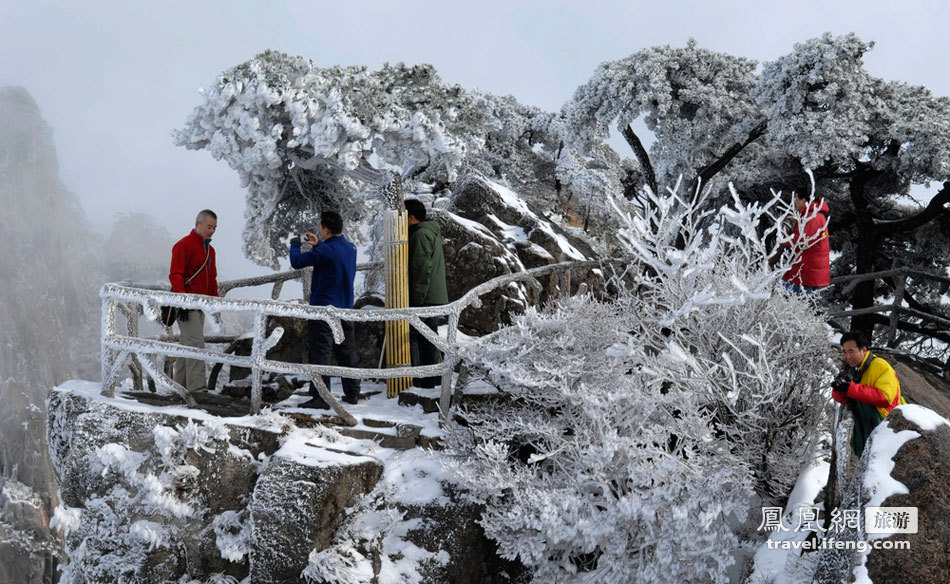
(122, 350)
(277, 279)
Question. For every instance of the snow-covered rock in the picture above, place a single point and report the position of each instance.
(29, 553)
(143, 489)
(169, 494)
(490, 231)
(906, 464)
(298, 504)
(453, 526)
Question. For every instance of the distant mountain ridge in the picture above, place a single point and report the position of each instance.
(48, 310)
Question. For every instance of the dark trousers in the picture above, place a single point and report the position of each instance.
(322, 348)
(424, 353)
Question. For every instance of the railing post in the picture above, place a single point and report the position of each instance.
(896, 310)
(840, 468)
(257, 348)
(132, 326)
(449, 363)
(106, 330)
(305, 275)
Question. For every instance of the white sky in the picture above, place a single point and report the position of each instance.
(113, 78)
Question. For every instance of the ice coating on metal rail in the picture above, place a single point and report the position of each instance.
(117, 349)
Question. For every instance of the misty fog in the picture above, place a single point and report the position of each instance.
(51, 269)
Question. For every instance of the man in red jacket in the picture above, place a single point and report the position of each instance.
(193, 271)
(812, 268)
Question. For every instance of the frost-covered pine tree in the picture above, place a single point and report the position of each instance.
(629, 433)
(305, 138)
(696, 102)
(869, 142)
(716, 119)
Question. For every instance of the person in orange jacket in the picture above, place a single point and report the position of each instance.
(193, 271)
(869, 383)
(812, 269)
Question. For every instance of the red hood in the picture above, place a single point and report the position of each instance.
(819, 204)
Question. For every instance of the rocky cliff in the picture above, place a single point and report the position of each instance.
(29, 551)
(48, 325)
(153, 494)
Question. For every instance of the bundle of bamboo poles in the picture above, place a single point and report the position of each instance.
(397, 296)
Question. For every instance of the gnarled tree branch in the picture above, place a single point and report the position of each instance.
(711, 170)
(634, 141)
(933, 209)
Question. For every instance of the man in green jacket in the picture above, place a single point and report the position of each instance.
(426, 283)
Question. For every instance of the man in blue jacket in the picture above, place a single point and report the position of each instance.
(334, 268)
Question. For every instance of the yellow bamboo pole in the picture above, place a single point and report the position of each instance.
(397, 296)
(404, 289)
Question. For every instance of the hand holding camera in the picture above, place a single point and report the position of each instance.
(303, 239)
(841, 383)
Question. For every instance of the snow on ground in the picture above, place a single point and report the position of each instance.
(776, 566)
(375, 407)
(323, 445)
(92, 389)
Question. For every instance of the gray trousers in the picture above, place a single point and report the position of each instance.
(191, 372)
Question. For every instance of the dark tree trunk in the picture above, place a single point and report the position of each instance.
(865, 252)
(641, 153)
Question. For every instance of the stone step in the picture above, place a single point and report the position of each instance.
(427, 398)
(407, 436)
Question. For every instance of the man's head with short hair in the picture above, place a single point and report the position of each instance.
(204, 214)
(332, 221)
(416, 209)
(854, 346)
(800, 201)
(206, 223)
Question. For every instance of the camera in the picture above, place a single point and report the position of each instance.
(849, 373)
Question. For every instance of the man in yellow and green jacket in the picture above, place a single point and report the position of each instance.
(869, 383)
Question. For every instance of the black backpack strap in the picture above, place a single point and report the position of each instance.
(867, 363)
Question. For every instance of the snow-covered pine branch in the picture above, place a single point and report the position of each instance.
(299, 135)
(875, 145)
(695, 101)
